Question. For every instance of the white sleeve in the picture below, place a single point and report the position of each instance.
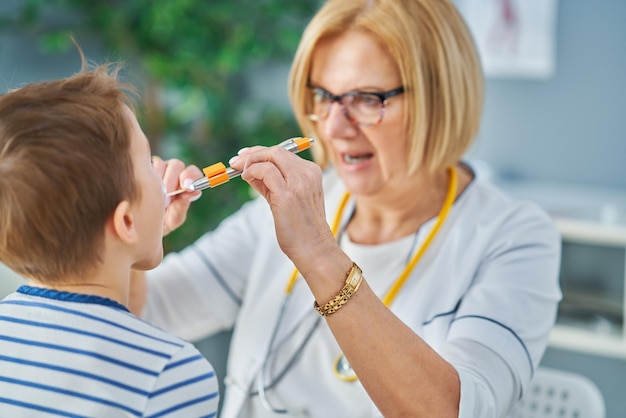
(487, 384)
(198, 291)
(187, 386)
(503, 322)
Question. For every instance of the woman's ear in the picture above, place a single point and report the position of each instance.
(124, 223)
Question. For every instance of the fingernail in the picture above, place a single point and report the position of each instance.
(194, 198)
(232, 160)
(244, 149)
(187, 184)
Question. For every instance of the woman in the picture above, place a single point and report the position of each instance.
(458, 290)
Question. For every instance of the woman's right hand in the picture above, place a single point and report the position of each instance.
(293, 188)
(176, 175)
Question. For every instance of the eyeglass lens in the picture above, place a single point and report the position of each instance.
(359, 107)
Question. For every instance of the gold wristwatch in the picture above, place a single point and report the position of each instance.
(353, 281)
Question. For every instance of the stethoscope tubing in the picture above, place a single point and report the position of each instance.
(260, 381)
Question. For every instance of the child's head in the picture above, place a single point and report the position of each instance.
(71, 156)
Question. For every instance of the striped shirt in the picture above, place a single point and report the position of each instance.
(71, 355)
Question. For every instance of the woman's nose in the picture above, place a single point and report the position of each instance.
(337, 124)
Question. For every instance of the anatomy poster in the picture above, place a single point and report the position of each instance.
(515, 38)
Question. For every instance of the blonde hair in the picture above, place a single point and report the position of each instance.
(65, 164)
(438, 64)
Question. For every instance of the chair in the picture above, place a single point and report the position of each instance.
(560, 394)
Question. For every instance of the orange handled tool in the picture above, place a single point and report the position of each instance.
(218, 173)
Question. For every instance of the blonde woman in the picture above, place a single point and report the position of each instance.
(420, 290)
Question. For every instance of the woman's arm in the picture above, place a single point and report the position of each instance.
(402, 374)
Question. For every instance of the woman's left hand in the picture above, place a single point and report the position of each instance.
(175, 174)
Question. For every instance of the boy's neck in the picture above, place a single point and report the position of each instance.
(95, 284)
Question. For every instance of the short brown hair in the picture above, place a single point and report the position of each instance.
(438, 65)
(65, 164)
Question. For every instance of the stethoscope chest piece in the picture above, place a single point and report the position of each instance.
(343, 370)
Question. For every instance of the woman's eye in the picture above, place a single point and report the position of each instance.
(319, 97)
(367, 99)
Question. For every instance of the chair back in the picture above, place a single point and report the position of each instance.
(557, 393)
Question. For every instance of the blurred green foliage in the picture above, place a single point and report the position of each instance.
(191, 61)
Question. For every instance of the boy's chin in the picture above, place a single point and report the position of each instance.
(148, 264)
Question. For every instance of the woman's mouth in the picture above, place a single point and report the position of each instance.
(356, 158)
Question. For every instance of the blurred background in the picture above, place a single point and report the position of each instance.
(212, 77)
(211, 74)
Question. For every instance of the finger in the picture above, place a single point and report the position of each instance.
(265, 178)
(176, 178)
(171, 174)
(276, 155)
(185, 183)
(190, 174)
(238, 161)
(175, 215)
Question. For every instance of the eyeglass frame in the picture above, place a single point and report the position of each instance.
(382, 96)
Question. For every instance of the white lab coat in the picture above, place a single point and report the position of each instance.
(484, 296)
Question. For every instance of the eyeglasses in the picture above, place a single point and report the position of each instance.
(359, 107)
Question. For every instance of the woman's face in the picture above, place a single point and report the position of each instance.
(368, 158)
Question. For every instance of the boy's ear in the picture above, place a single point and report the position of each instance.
(124, 223)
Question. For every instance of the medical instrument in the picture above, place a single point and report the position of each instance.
(260, 383)
(341, 366)
(218, 173)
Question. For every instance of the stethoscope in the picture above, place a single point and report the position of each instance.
(260, 382)
(341, 367)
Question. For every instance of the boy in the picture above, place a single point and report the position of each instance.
(80, 206)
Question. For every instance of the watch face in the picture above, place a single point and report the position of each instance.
(354, 277)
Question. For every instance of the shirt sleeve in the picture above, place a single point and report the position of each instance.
(198, 291)
(187, 387)
(503, 322)
(487, 383)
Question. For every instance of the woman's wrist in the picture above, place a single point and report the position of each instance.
(354, 277)
(326, 276)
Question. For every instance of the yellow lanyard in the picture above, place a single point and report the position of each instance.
(397, 285)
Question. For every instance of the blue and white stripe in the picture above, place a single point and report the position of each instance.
(69, 355)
